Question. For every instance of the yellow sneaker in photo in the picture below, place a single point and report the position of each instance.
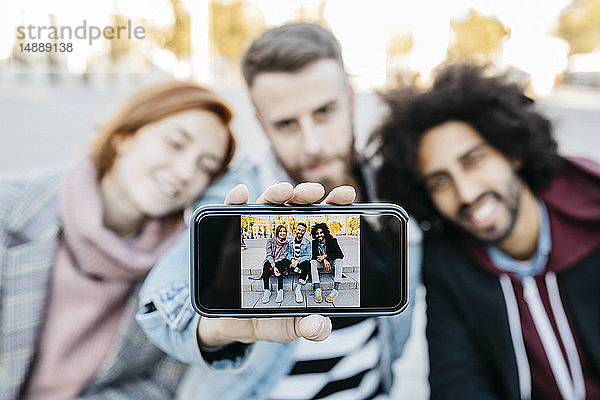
(318, 295)
(332, 296)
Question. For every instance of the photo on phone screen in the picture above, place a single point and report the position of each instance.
(304, 249)
(287, 260)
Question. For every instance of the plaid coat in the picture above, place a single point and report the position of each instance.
(29, 232)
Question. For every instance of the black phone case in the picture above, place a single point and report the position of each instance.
(258, 209)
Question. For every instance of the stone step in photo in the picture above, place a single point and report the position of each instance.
(346, 298)
(349, 281)
(256, 271)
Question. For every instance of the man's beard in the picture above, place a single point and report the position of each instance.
(297, 175)
(512, 202)
(346, 178)
(513, 213)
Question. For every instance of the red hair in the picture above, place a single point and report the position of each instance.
(154, 103)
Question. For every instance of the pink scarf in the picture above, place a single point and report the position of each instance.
(92, 280)
(278, 246)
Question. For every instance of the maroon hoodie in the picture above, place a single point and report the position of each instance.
(573, 204)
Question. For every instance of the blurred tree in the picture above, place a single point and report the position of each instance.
(354, 225)
(175, 37)
(335, 228)
(477, 38)
(579, 25)
(121, 45)
(16, 54)
(313, 14)
(400, 44)
(178, 37)
(397, 72)
(231, 28)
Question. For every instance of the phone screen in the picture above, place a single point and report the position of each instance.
(356, 259)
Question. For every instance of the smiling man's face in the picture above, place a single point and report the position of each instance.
(320, 235)
(300, 230)
(470, 182)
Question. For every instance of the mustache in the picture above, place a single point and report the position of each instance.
(463, 210)
(317, 160)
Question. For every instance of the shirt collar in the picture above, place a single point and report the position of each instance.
(537, 262)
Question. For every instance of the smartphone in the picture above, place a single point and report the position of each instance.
(253, 261)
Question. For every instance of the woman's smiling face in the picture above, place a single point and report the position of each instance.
(165, 165)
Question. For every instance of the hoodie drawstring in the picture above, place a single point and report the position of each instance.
(516, 335)
(570, 384)
(566, 335)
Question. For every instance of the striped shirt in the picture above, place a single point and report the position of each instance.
(345, 365)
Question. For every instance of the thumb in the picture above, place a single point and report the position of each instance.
(313, 327)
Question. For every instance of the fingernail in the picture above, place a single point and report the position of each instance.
(318, 330)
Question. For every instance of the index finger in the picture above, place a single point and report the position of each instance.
(277, 194)
(307, 193)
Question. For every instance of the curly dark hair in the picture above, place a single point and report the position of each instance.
(324, 227)
(492, 105)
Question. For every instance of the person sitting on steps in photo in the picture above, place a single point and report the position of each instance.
(276, 262)
(325, 251)
(300, 252)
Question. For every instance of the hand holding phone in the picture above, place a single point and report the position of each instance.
(214, 332)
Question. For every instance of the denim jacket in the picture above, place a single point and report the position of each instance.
(251, 375)
(305, 249)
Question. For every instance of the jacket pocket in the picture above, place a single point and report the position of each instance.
(172, 303)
